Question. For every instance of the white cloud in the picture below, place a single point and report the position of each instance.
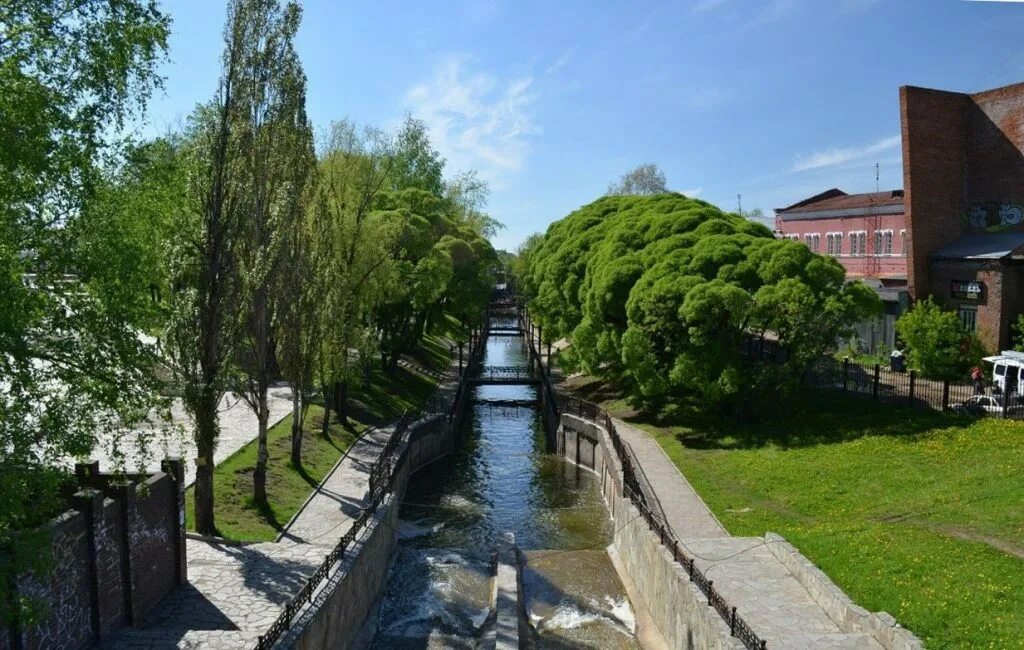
(561, 61)
(693, 193)
(708, 5)
(834, 157)
(476, 120)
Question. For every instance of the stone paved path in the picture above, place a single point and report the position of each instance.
(770, 598)
(237, 428)
(236, 591)
(688, 515)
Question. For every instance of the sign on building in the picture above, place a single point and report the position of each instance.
(966, 289)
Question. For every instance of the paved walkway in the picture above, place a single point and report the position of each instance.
(237, 428)
(236, 591)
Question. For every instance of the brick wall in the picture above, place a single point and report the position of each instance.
(64, 590)
(995, 164)
(875, 263)
(112, 558)
(1000, 303)
(934, 124)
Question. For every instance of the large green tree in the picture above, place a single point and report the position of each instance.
(275, 158)
(663, 294)
(71, 361)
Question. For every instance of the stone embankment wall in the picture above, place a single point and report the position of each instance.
(110, 560)
(341, 605)
(677, 606)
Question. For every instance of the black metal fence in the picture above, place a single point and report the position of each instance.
(887, 386)
(382, 475)
(381, 481)
(640, 492)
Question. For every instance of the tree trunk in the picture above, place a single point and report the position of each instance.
(261, 336)
(296, 427)
(206, 441)
(325, 429)
(259, 475)
(341, 401)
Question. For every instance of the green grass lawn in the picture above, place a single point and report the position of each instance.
(918, 514)
(237, 515)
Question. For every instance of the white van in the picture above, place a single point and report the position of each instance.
(1007, 367)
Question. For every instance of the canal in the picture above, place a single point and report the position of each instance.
(503, 482)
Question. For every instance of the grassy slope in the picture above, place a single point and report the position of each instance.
(921, 515)
(238, 517)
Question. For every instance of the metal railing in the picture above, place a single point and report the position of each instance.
(641, 493)
(381, 480)
(887, 386)
(382, 475)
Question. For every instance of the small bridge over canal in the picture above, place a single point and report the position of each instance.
(504, 376)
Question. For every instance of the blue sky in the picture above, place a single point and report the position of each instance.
(772, 99)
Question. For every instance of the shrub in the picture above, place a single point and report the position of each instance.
(937, 344)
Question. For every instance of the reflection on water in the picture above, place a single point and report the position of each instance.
(501, 479)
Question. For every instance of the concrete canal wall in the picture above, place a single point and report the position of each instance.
(784, 597)
(676, 605)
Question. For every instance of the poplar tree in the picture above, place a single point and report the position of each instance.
(276, 147)
(202, 334)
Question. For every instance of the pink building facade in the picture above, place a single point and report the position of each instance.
(866, 233)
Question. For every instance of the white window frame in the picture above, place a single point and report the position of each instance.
(834, 243)
(883, 242)
(903, 242)
(858, 243)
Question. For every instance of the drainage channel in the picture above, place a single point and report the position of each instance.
(503, 508)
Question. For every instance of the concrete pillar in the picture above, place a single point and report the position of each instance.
(175, 469)
(124, 494)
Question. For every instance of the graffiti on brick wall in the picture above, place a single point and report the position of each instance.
(994, 216)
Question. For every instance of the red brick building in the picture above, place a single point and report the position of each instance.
(957, 227)
(867, 233)
(963, 174)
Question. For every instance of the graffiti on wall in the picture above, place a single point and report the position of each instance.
(994, 216)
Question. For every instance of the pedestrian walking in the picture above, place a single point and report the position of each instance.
(979, 380)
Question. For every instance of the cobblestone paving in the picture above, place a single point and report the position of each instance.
(236, 591)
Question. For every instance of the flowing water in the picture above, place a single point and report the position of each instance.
(503, 479)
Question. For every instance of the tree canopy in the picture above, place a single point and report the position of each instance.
(643, 180)
(662, 293)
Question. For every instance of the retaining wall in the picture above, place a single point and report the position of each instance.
(111, 559)
(340, 606)
(677, 606)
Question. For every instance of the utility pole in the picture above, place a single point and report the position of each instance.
(739, 203)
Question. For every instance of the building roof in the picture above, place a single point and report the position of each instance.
(990, 246)
(836, 203)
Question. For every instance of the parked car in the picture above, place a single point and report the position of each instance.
(988, 405)
(1007, 369)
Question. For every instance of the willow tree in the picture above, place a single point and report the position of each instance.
(356, 254)
(659, 293)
